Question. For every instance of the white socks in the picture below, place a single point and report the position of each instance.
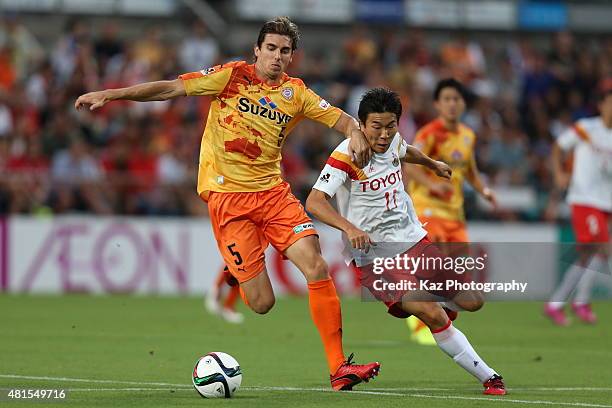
(457, 346)
(579, 278)
(583, 289)
(569, 282)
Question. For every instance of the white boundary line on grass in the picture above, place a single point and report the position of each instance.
(125, 389)
(376, 391)
(85, 380)
(602, 389)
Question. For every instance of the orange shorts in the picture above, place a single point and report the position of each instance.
(440, 230)
(245, 223)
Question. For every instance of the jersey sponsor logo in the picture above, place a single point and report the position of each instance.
(457, 155)
(384, 181)
(287, 93)
(324, 104)
(325, 178)
(266, 101)
(303, 227)
(245, 105)
(208, 71)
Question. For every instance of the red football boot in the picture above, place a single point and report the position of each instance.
(494, 386)
(350, 374)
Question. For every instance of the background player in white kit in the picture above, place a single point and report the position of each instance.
(374, 208)
(590, 198)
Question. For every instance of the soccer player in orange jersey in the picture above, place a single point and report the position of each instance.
(439, 203)
(255, 107)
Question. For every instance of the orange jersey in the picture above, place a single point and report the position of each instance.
(455, 149)
(247, 125)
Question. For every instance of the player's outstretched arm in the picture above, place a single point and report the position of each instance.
(148, 91)
(318, 205)
(561, 177)
(358, 148)
(473, 177)
(415, 156)
(412, 170)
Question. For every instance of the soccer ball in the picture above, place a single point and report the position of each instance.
(217, 375)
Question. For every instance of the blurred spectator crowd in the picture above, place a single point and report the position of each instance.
(141, 158)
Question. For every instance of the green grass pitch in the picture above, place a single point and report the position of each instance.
(139, 352)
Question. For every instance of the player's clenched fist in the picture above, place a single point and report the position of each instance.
(95, 100)
(358, 238)
(359, 149)
(442, 170)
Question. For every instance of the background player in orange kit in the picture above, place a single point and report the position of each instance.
(255, 107)
(222, 304)
(439, 203)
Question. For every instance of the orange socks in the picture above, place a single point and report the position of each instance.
(232, 296)
(327, 316)
(243, 296)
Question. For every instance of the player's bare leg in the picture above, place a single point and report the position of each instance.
(469, 301)
(466, 300)
(326, 314)
(454, 343)
(257, 293)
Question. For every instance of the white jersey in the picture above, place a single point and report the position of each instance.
(591, 183)
(374, 200)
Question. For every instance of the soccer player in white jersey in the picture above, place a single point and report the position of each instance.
(590, 198)
(375, 209)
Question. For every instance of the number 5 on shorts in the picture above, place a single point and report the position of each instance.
(236, 254)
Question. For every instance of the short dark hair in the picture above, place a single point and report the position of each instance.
(282, 26)
(379, 100)
(448, 83)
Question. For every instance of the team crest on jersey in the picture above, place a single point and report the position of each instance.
(395, 160)
(208, 71)
(324, 104)
(287, 93)
(266, 101)
(456, 155)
